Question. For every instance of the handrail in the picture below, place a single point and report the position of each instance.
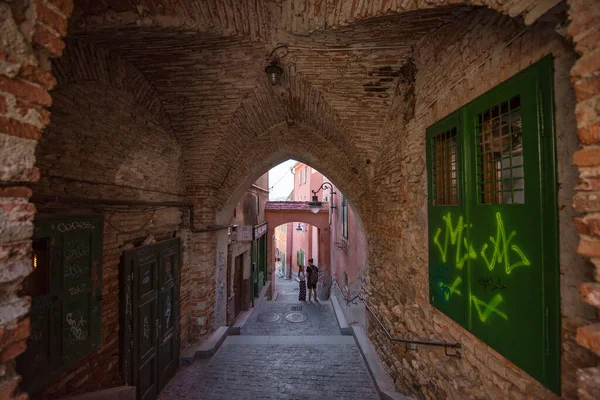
(407, 342)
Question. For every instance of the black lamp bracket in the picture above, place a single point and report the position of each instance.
(279, 46)
(324, 185)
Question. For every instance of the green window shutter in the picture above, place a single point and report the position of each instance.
(493, 237)
(447, 256)
(67, 314)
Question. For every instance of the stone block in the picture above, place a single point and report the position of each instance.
(589, 336)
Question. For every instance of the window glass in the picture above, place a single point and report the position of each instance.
(500, 177)
(444, 175)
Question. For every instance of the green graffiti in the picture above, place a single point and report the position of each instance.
(454, 235)
(501, 245)
(450, 290)
(490, 307)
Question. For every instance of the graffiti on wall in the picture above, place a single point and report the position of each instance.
(500, 250)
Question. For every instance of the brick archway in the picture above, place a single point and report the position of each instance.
(280, 143)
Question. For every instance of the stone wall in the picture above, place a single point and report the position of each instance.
(451, 67)
(30, 33)
(585, 76)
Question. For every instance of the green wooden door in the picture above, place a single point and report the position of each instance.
(493, 236)
(150, 316)
(66, 290)
(505, 211)
(447, 251)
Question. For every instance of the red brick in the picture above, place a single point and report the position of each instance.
(3, 106)
(13, 351)
(25, 91)
(586, 88)
(586, 65)
(8, 387)
(590, 134)
(65, 6)
(37, 75)
(588, 247)
(587, 157)
(588, 41)
(51, 18)
(23, 109)
(14, 333)
(589, 383)
(590, 293)
(589, 337)
(581, 226)
(48, 40)
(13, 127)
(18, 191)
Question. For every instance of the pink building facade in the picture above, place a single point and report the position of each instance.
(304, 243)
(348, 256)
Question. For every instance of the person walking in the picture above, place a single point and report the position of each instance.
(302, 277)
(312, 273)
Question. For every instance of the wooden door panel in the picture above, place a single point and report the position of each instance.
(148, 389)
(150, 277)
(169, 312)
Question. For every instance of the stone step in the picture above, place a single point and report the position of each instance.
(290, 340)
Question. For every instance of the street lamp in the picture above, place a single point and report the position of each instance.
(315, 205)
(274, 70)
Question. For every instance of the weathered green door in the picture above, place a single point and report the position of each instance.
(493, 230)
(66, 291)
(447, 253)
(150, 316)
(505, 214)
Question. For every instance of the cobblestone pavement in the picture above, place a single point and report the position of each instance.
(320, 319)
(280, 360)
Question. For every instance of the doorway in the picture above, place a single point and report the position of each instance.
(149, 316)
(238, 284)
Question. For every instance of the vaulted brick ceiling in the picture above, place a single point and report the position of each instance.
(206, 61)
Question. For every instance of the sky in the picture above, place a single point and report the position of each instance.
(281, 181)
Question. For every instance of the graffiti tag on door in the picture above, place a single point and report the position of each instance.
(498, 250)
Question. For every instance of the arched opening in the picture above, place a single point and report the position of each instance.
(162, 119)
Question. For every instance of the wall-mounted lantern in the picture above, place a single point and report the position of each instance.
(274, 70)
(315, 205)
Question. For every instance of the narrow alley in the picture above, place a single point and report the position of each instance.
(441, 167)
(287, 350)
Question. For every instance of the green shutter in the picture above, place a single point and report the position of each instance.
(66, 319)
(493, 238)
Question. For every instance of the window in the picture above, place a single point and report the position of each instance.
(445, 178)
(492, 216)
(344, 217)
(66, 297)
(305, 173)
(500, 178)
(300, 177)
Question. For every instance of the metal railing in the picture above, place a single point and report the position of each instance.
(410, 344)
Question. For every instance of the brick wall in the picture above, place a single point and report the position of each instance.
(585, 76)
(486, 48)
(31, 34)
(104, 142)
